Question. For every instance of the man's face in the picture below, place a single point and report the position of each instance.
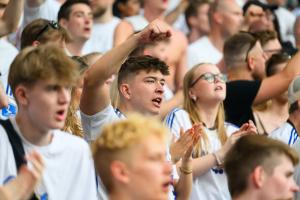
(99, 7)
(149, 172)
(202, 19)
(258, 61)
(47, 104)
(254, 13)
(146, 92)
(159, 5)
(232, 18)
(80, 22)
(272, 47)
(280, 184)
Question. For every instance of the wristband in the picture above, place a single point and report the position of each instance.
(185, 171)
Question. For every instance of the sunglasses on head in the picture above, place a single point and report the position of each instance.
(52, 24)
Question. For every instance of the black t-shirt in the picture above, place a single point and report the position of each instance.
(239, 99)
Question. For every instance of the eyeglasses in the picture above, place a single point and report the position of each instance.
(52, 24)
(211, 78)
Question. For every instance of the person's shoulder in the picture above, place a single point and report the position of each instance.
(201, 41)
(176, 114)
(70, 141)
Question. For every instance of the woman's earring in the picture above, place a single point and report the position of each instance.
(194, 98)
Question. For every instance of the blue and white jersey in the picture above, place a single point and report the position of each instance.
(286, 133)
(213, 184)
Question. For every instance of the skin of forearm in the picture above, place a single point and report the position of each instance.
(11, 17)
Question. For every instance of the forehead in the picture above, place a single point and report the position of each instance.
(207, 68)
(5, 2)
(151, 144)
(254, 8)
(80, 7)
(153, 73)
(274, 44)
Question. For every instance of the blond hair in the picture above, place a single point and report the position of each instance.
(118, 138)
(45, 62)
(190, 106)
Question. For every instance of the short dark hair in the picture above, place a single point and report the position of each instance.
(236, 48)
(65, 9)
(135, 64)
(250, 152)
(192, 9)
(265, 36)
(276, 59)
(42, 30)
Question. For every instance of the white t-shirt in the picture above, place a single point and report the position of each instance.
(69, 170)
(93, 124)
(138, 22)
(102, 37)
(203, 51)
(47, 10)
(213, 184)
(286, 133)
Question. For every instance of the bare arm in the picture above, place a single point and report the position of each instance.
(174, 14)
(95, 97)
(278, 83)
(123, 31)
(10, 19)
(181, 68)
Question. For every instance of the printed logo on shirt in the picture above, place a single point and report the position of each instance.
(11, 109)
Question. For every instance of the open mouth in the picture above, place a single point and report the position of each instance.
(157, 101)
(60, 114)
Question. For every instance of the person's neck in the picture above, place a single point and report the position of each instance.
(151, 14)
(75, 47)
(246, 196)
(31, 132)
(239, 74)
(216, 38)
(106, 17)
(208, 113)
(194, 35)
(119, 195)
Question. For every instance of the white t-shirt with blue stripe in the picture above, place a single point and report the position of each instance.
(213, 184)
(286, 133)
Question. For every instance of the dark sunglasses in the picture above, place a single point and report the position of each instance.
(52, 24)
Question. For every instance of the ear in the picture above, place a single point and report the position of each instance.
(63, 22)
(125, 90)
(119, 171)
(35, 43)
(258, 176)
(192, 21)
(218, 17)
(21, 94)
(251, 63)
(191, 94)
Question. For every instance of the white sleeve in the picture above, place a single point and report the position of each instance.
(176, 119)
(92, 124)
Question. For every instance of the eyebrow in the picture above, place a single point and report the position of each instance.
(153, 77)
